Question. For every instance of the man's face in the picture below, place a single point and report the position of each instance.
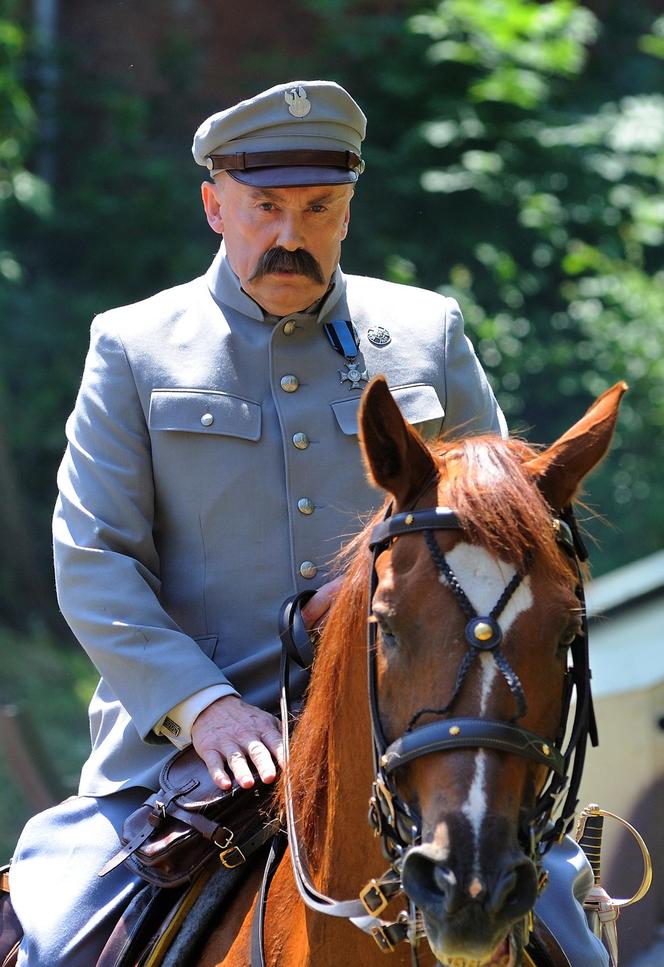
(282, 243)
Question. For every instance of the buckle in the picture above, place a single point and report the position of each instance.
(383, 940)
(232, 857)
(227, 842)
(373, 899)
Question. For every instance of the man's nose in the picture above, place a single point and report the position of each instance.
(290, 235)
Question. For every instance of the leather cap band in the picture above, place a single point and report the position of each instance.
(244, 160)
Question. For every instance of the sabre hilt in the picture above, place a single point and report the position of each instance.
(589, 838)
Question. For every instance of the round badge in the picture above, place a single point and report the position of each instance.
(379, 336)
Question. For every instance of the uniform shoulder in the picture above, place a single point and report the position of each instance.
(365, 286)
(153, 313)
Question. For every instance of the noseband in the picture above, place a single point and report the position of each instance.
(393, 819)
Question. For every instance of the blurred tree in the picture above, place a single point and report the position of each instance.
(20, 575)
(516, 159)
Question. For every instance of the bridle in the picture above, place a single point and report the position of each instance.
(392, 819)
(390, 816)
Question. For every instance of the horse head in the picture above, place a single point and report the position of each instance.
(475, 612)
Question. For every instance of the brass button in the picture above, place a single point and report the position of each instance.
(301, 441)
(289, 328)
(207, 419)
(308, 569)
(289, 383)
(305, 506)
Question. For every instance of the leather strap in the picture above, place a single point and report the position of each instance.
(432, 518)
(277, 850)
(295, 638)
(4, 880)
(245, 160)
(471, 733)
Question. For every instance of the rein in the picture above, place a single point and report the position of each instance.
(391, 817)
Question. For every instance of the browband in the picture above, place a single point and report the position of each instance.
(434, 518)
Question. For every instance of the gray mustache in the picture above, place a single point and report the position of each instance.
(299, 262)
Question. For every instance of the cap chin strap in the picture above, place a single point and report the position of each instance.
(248, 160)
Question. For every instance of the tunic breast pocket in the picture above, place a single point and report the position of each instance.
(204, 446)
(418, 402)
(211, 412)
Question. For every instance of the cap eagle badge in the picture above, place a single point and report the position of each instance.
(298, 103)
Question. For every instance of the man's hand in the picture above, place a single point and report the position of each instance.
(227, 732)
(315, 610)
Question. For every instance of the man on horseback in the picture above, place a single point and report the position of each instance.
(211, 468)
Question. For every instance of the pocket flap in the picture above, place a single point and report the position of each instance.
(204, 411)
(418, 403)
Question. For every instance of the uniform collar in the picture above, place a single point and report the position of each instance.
(226, 289)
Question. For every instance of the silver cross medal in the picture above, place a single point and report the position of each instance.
(354, 374)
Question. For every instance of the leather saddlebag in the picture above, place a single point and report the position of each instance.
(171, 837)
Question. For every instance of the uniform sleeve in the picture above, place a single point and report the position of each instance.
(470, 406)
(106, 560)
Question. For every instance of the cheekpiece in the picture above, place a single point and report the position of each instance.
(296, 134)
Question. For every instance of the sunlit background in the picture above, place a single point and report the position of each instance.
(515, 159)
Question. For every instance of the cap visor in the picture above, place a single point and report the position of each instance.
(294, 176)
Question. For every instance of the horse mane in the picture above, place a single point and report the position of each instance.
(500, 508)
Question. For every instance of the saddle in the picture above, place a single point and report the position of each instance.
(178, 842)
(170, 838)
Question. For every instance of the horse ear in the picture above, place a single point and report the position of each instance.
(396, 457)
(560, 470)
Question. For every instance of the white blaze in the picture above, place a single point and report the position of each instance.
(484, 578)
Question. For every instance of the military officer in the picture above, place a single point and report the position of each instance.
(212, 469)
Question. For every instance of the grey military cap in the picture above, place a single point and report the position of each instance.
(300, 133)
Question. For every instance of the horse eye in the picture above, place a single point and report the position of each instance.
(385, 632)
(569, 636)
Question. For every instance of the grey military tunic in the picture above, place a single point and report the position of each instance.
(212, 470)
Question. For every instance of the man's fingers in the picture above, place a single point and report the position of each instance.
(237, 763)
(272, 739)
(261, 758)
(318, 606)
(215, 766)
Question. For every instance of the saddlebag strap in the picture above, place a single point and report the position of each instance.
(170, 838)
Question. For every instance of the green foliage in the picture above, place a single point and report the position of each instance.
(55, 695)
(523, 166)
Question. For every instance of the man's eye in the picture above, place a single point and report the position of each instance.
(266, 206)
(317, 209)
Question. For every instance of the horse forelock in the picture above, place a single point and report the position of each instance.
(497, 502)
(500, 508)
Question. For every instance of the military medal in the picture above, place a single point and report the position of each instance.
(379, 336)
(355, 375)
(343, 338)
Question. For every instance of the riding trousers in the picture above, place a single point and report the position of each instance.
(67, 911)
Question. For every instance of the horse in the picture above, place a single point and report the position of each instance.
(452, 732)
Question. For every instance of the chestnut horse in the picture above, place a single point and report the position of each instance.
(473, 615)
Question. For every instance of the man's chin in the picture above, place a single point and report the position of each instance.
(279, 294)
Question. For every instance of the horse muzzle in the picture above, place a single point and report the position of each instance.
(469, 922)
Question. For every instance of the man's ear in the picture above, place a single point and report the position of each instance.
(344, 230)
(210, 193)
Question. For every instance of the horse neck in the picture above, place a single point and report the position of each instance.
(346, 854)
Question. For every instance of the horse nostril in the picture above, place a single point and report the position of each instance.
(444, 879)
(429, 884)
(515, 889)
